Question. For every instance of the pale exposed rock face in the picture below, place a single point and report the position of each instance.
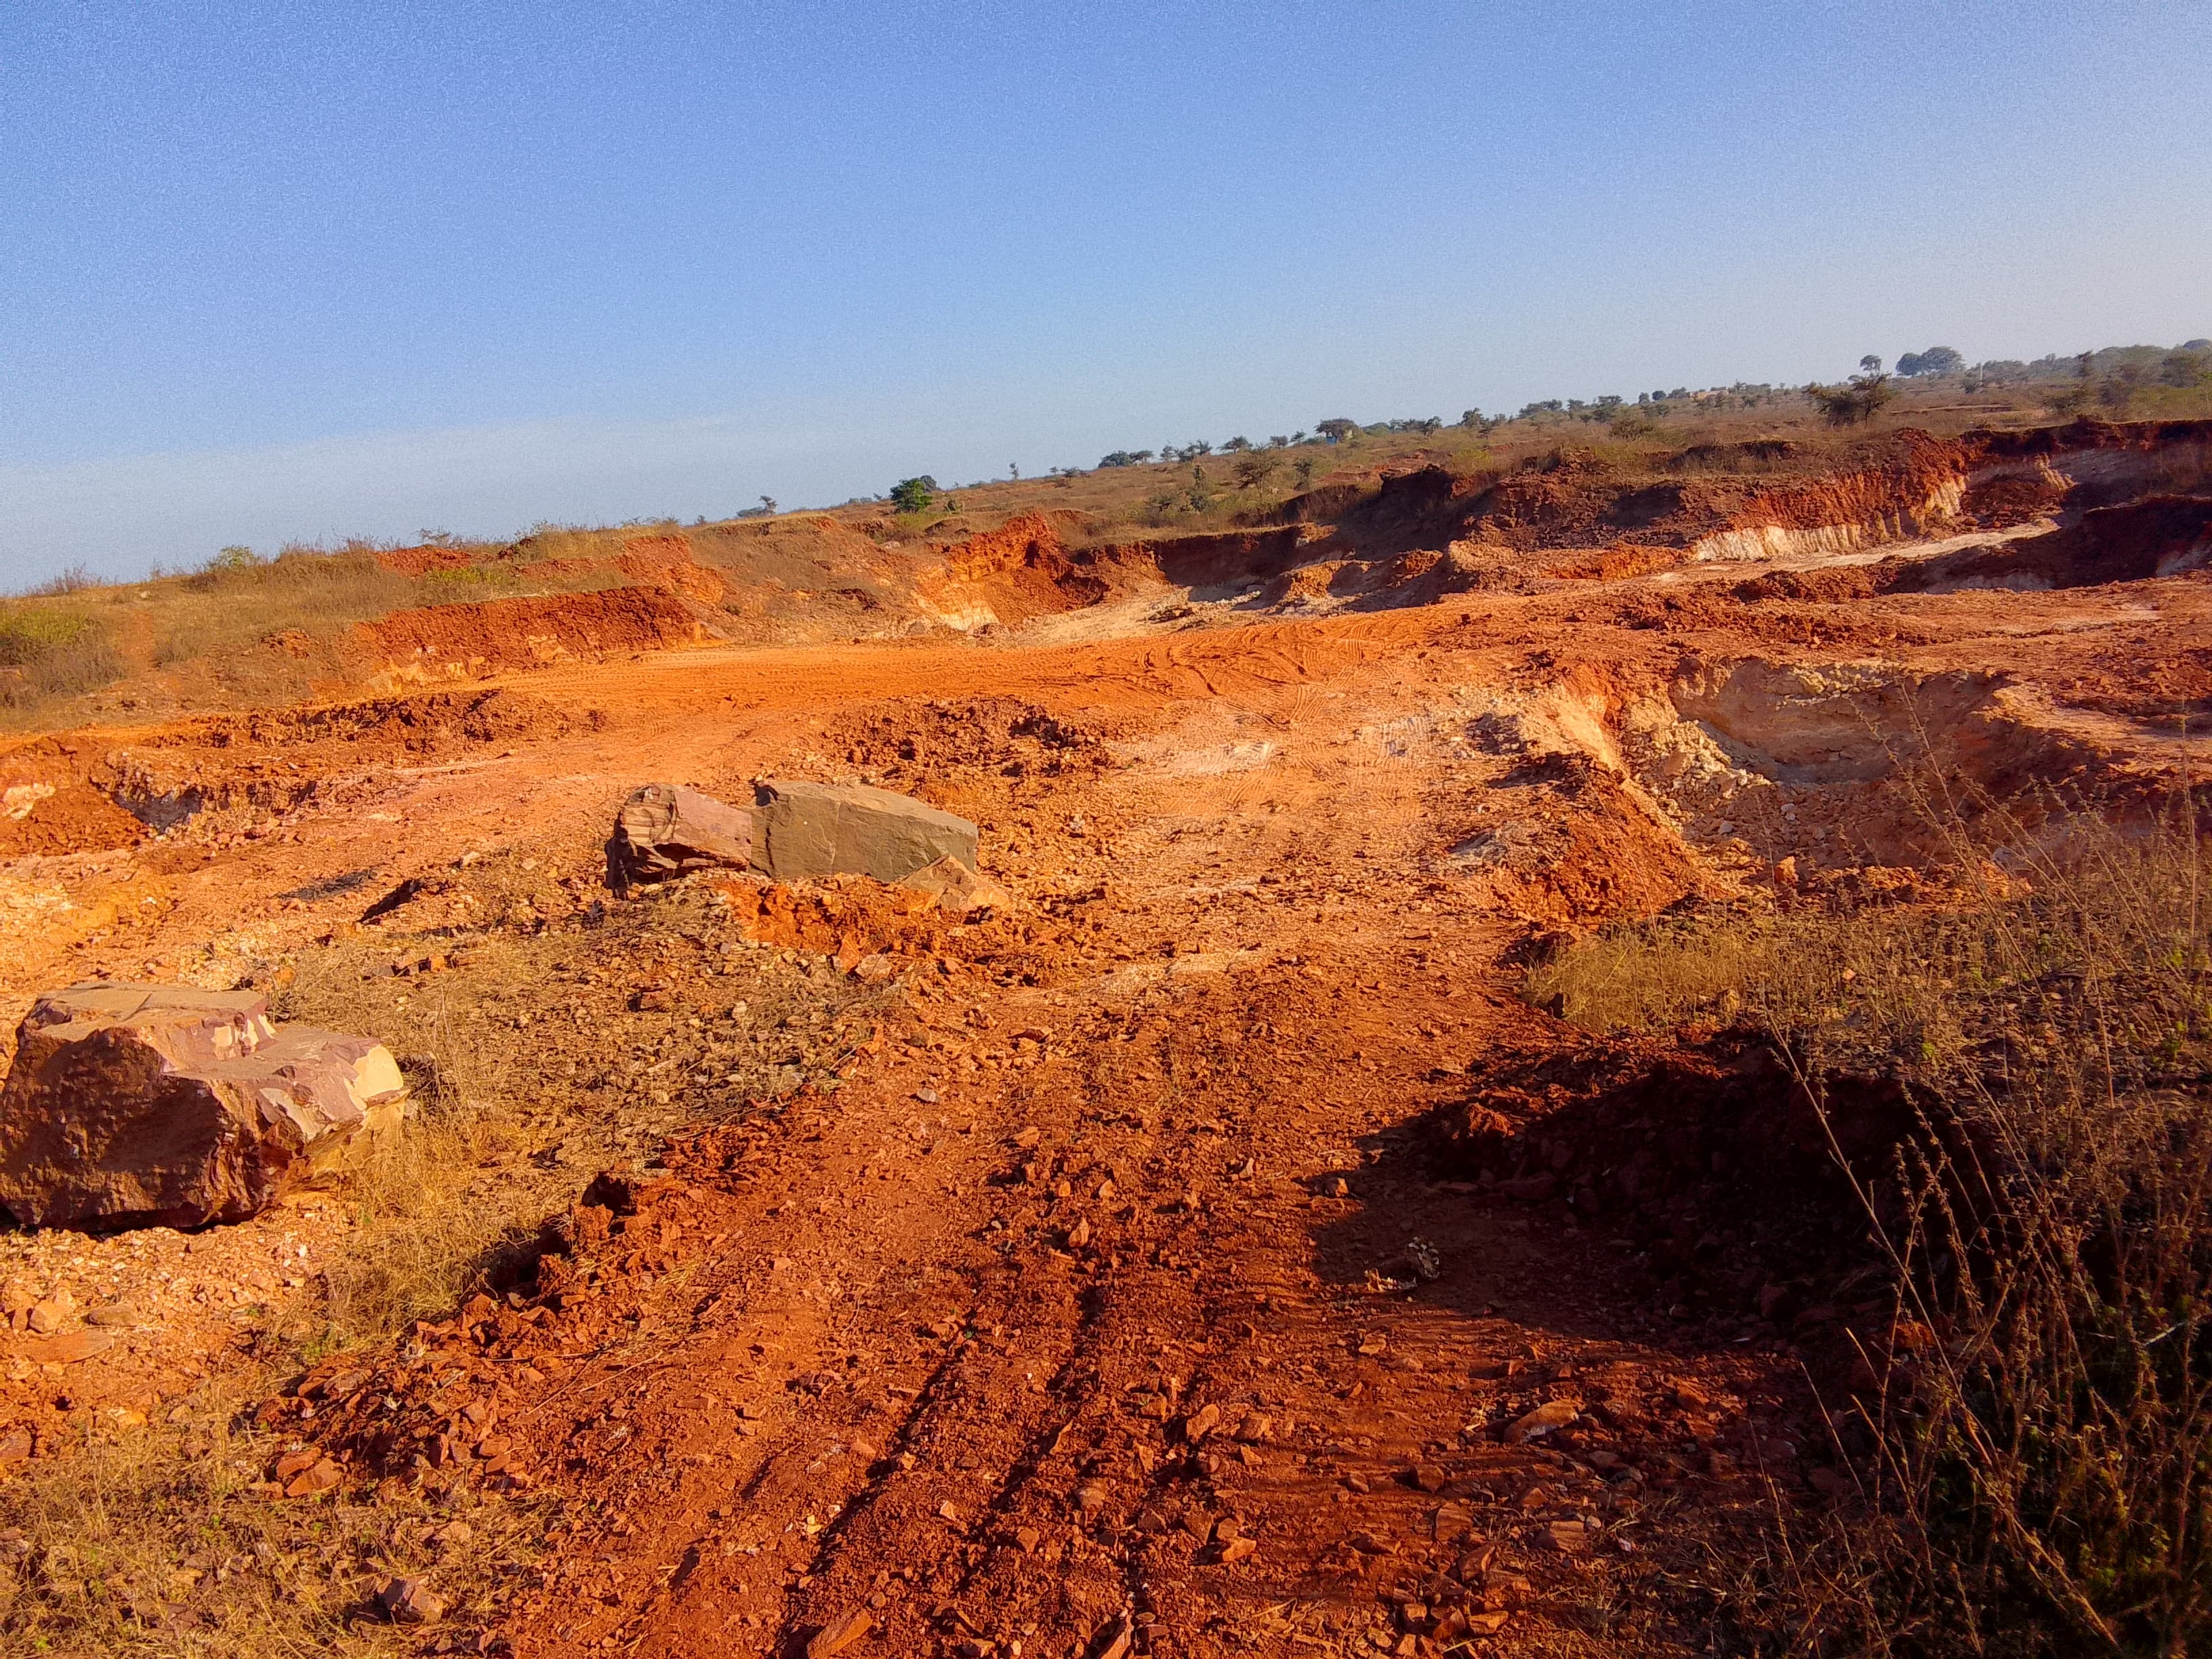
(826, 828)
(166, 1105)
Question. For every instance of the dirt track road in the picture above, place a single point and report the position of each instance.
(985, 1302)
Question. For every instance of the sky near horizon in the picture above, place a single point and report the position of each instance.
(272, 272)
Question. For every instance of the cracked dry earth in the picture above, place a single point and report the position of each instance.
(1107, 1303)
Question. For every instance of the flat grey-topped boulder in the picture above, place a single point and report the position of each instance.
(665, 829)
(834, 828)
(140, 1105)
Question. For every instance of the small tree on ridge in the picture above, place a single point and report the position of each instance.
(913, 494)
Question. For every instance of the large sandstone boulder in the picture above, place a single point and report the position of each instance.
(134, 1105)
(791, 831)
(664, 829)
(832, 829)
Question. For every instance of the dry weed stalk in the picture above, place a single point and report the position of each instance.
(160, 1542)
(2033, 1438)
(2042, 1422)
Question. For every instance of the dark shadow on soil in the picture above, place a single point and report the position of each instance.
(1681, 1194)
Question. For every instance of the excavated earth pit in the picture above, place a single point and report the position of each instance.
(1189, 1245)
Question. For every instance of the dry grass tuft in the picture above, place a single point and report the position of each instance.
(49, 651)
(160, 1542)
(2034, 1448)
(1652, 975)
(225, 610)
(429, 1226)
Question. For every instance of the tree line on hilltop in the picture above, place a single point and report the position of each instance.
(2111, 380)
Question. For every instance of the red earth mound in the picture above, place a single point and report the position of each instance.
(501, 634)
(663, 561)
(429, 724)
(1019, 570)
(74, 818)
(1895, 485)
(667, 562)
(2158, 535)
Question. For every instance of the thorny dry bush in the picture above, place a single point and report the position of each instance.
(2033, 1445)
(533, 1072)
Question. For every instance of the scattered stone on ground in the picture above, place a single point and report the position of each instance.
(958, 891)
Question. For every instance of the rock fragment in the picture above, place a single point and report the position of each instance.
(1553, 1414)
(666, 829)
(410, 1602)
(840, 1633)
(138, 1105)
(1111, 1639)
(1569, 1537)
(318, 1476)
(958, 891)
(53, 1315)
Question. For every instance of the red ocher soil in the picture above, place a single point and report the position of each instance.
(74, 818)
(1224, 1180)
(499, 635)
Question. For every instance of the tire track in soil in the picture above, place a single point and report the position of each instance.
(1073, 1368)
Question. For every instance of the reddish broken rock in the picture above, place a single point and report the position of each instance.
(137, 1105)
(795, 831)
(666, 829)
(1553, 1414)
(1112, 1639)
(839, 1634)
(958, 891)
(410, 1602)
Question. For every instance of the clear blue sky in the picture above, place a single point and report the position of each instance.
(302, 270)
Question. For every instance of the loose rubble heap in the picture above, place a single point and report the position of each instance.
(791, 831)
(151, 1105)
